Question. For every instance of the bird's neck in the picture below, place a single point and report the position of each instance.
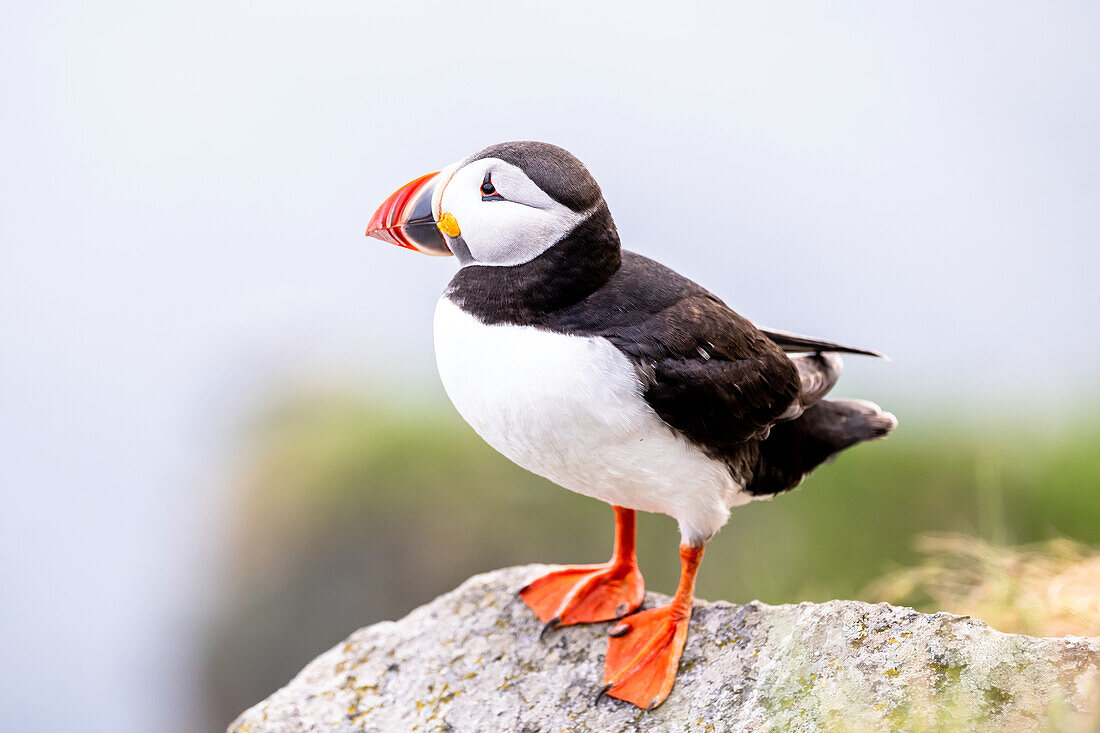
(569, 271)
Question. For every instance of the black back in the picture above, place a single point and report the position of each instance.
(705, 370)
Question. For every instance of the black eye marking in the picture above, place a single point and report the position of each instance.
(488, 190)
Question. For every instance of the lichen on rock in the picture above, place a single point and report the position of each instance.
(472, 660)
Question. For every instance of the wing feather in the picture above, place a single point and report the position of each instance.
(793, 343)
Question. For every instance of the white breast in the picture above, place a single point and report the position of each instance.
(570, 408)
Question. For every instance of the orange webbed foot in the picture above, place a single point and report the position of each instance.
(643, 655)
(585, 594)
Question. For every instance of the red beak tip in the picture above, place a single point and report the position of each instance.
(403, 218)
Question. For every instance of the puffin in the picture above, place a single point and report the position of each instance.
(615, 377)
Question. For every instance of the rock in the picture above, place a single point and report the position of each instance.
(471, 660)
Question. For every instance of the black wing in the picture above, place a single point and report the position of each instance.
(792, 343)
(707, 371)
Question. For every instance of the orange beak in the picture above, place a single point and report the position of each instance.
(405, 218)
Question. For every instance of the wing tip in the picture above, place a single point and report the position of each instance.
(805, 343)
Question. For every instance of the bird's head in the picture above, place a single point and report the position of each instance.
(502, 206)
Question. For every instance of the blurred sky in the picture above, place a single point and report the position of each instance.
(184, 188)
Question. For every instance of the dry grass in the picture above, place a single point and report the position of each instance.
(1044, 589)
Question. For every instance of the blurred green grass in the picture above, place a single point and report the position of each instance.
(355, 508)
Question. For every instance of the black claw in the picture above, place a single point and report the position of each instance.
(618, 630)
(550, 625)
(603, 691)
(652, 704)
(621, 610)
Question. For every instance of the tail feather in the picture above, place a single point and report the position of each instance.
(795, 448)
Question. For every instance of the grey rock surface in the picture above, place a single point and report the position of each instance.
(471, 660)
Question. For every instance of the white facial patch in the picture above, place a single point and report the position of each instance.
(509, 232)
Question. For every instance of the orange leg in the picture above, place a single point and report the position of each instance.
(588, 593)
(644, 650)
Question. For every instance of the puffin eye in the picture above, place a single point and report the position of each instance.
(488, 190)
